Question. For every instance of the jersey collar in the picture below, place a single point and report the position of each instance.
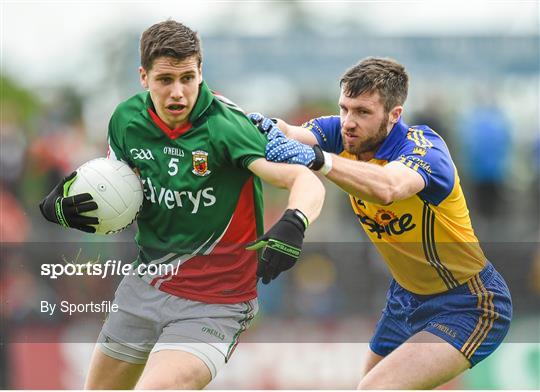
(204, 100)
(171, 133)
(394, 138)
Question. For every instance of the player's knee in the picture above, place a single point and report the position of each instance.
(155, 384)
(181, 380)
(107, 383)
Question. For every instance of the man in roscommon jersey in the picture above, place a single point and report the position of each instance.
(447, 307)
(200, 159)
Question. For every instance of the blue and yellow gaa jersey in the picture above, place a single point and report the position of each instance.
(427, 240)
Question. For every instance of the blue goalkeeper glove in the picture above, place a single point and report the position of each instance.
(267, 126)
(263, 124)
(281, 245)
(282, 149)
(289, 151)
(65, 210)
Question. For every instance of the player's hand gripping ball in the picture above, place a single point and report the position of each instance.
(103, 196)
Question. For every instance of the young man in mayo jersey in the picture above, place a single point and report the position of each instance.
(200, 159)
(447, 307)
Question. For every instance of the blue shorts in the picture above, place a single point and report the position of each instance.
(473, 317)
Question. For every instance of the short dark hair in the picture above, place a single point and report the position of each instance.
(373, 74)
(171, 39)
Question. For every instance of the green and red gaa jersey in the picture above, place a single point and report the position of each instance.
(202, 205)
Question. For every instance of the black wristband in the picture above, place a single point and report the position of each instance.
(303, 217)
(298, 218)
(318, 162)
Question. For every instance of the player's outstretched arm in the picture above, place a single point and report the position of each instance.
(367, 181)
(282, 244)
(371, 182)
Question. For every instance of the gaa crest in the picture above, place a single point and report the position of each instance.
(200, 163)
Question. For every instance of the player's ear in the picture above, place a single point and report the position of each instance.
(395, 114)
(200, 77)
(143, 77)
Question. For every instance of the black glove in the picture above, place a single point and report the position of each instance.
(65, 211)
(282, 245)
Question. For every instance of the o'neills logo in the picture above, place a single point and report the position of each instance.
(200, 163)
(213, 332)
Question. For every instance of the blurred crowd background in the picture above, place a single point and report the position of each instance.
(475, 72)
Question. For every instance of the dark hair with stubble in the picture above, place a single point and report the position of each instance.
(382, 75)
(170, 39)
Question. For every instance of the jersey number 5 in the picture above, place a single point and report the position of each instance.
(173, 166)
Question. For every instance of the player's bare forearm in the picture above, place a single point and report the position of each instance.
(374, 183)
(366, 181)
(297, 133)
(306, 190)
(306, 193)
